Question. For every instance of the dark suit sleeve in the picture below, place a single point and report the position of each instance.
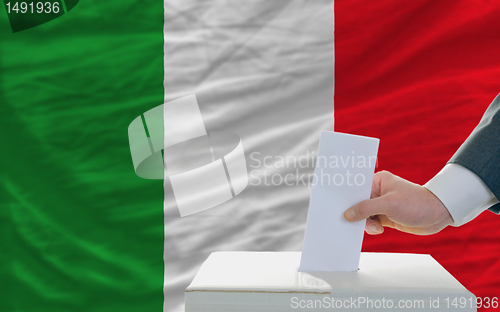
(480, 153)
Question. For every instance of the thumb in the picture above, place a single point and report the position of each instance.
(367, 208)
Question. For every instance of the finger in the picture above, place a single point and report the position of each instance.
(380, 179)
(369, 207)
(377, 179)
(373, 226)
(384, 221)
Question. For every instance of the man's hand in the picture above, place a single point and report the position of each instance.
(402, 205)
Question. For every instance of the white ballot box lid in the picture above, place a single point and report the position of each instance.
(270, 281)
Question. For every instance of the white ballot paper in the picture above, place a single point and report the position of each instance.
(343, 177)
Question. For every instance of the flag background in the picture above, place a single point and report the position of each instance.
(81, 232)
(419, 75)
(264, 71)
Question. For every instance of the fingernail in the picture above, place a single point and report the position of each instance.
(352, 214)
(373, 228)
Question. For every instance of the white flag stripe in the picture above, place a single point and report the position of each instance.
(182, 120)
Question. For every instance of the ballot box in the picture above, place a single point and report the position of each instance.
(271, 282)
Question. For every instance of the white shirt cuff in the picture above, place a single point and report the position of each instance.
(462, 192)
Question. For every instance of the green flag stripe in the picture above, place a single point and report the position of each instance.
(82, 231)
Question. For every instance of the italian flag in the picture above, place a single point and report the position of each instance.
(81, 231)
